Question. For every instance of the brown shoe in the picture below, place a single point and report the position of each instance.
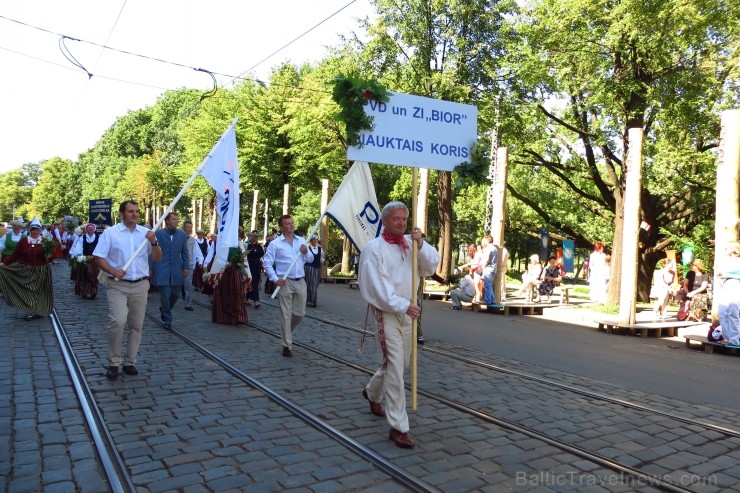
(400, 439)
(375, 407)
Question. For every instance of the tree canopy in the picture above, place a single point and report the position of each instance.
(562, 82)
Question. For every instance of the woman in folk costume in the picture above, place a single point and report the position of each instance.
(56, 236)
(313, 271)
(25, 277)
(86, 277)
(72, 270)
(68, 239)
(231, 287)
(10, 240)
(201, 243)
(208, 263)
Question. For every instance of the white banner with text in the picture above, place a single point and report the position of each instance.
(419, 132)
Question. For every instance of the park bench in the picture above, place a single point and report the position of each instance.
(562, 292)
(644, 328)
(513, 308)
(333, 278)
(434, 289)
(706, 345)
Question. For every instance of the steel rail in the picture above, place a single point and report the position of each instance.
(377, 460)
(118, 476)
(570, 388)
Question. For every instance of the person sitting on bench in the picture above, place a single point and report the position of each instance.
(531, 278)
(551, 277)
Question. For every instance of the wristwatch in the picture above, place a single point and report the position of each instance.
(156, 243)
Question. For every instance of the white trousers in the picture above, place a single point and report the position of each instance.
(388, 383)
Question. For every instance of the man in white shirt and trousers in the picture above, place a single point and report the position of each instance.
(386, 284)
(292, 295)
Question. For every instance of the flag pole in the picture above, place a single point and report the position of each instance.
(295, 259)
(414, 289)
(177, 198)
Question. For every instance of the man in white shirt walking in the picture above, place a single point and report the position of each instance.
(292, 295)
(128, 290)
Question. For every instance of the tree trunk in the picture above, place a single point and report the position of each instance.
(648, 260)
(347, 255)
(615, 281)
(444, 208)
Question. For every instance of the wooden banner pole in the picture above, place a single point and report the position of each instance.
(414, 290)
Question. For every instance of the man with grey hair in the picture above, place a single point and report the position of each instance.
(385, 281)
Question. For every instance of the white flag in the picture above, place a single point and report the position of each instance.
(222, 173)
(354, 206)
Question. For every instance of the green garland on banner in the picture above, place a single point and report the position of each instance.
(352, 94)
(474, 170)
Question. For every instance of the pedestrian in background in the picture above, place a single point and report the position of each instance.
(313, 271)
(128, 290)
(196, 258)
(255, 252)
(728, 294)
(173, 268)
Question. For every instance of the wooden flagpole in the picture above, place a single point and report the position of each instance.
(414, 288)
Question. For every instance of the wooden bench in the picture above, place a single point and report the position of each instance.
(513, 308)
(565, 293)
(432, 288)
(670, 327)
(707, 346)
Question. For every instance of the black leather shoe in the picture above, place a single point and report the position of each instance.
(189, 308)
(168, 326)
(112, 373)
(287, 353)
(130, 370)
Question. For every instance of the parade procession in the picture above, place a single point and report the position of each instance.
(370, 245)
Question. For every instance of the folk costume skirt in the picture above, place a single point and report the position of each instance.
(230, 298)
(28, 288)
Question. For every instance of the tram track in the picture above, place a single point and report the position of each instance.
(380, 462)
(551, 383)
(118, 476)
(387, 467)
(643, 476)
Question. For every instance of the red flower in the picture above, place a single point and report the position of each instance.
(367, 94)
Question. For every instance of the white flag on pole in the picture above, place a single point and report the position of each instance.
(354, 207)
(222, 173)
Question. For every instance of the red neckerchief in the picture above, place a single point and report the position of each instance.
(399, 240)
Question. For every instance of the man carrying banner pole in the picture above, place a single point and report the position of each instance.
(386, 283)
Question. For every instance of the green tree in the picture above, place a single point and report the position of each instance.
(57, 189)
(15, 195)
(582, 74)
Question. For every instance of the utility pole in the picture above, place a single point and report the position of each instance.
(492, 173)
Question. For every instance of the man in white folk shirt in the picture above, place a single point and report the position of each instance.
(292, 295)
(386, 284)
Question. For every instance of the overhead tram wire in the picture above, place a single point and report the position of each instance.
(291, 42)
(100, 55)
(160, 60)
